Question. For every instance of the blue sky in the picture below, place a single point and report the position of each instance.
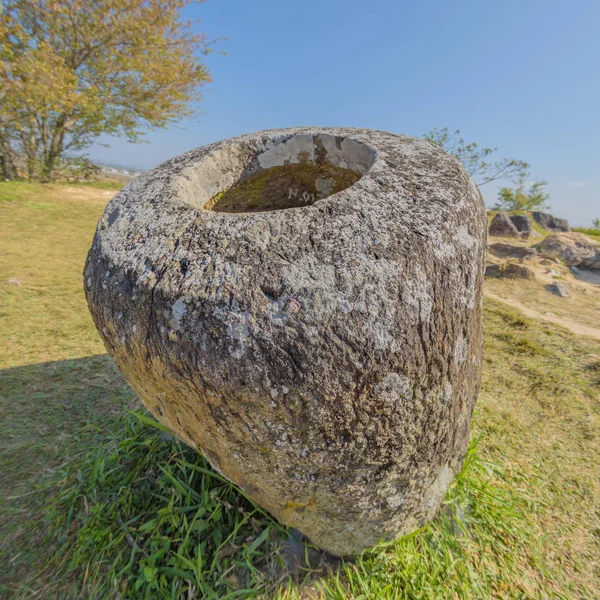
(520, 75)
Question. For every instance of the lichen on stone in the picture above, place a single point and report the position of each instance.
(325, 358)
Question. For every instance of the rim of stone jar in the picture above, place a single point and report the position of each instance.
(155, 197)
(185, 164)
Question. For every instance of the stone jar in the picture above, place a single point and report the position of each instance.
(304, 306)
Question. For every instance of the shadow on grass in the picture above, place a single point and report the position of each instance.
(97, 498)
(53, 412)
(52, 415)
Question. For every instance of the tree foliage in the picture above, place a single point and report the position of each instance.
(596, 222)
(72, 70)
(523, 197)
(475, 159)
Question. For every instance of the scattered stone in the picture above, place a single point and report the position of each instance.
(574, 248)
(549, 222)
(305, 352)
(502, 226)
(553, 273)
(14, 282)
(504, 250)
(547, 261)
(560, 289)
(509, 270)
(493, 270)
(575, 270)
(516, 271)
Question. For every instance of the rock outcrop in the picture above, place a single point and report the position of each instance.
(509, 270)
(502, 226)
(303, 306)
(505, 225)
(516, 271)
(523, 225)
(549, 222)
(504, 250)
(575, 249)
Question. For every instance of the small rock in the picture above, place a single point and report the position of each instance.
(504, 250)
(509, 270)
(14, 282)
(493, 270)
(553, 273)
(559, 289)
(546, 262)
(515, 271)
(575, 270)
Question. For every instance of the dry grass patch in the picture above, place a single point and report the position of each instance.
(582, 306)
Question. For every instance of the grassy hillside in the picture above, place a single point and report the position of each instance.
(98, 502)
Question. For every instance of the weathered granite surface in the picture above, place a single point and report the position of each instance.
(523, 225)
(326, 358)
(504, 250)
(549, 222)
(502, 225)
(506, 225)
(574, 248)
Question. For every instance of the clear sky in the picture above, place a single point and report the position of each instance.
(520, 75)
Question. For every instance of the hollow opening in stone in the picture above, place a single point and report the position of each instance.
(285, 173)
(285, 186)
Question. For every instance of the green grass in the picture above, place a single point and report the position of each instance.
(100, 502)
(99, 184)
(45, 232)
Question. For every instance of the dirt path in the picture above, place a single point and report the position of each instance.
(576, 328)
(87, 194)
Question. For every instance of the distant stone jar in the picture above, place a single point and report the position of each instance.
(303, 306)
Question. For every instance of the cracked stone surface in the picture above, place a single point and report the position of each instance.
(574, 248)
(324, 357)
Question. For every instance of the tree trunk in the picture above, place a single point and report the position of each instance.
(49, 164)
(7, 164)
(55, 150)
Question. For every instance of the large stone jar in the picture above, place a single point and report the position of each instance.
(303, 306)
